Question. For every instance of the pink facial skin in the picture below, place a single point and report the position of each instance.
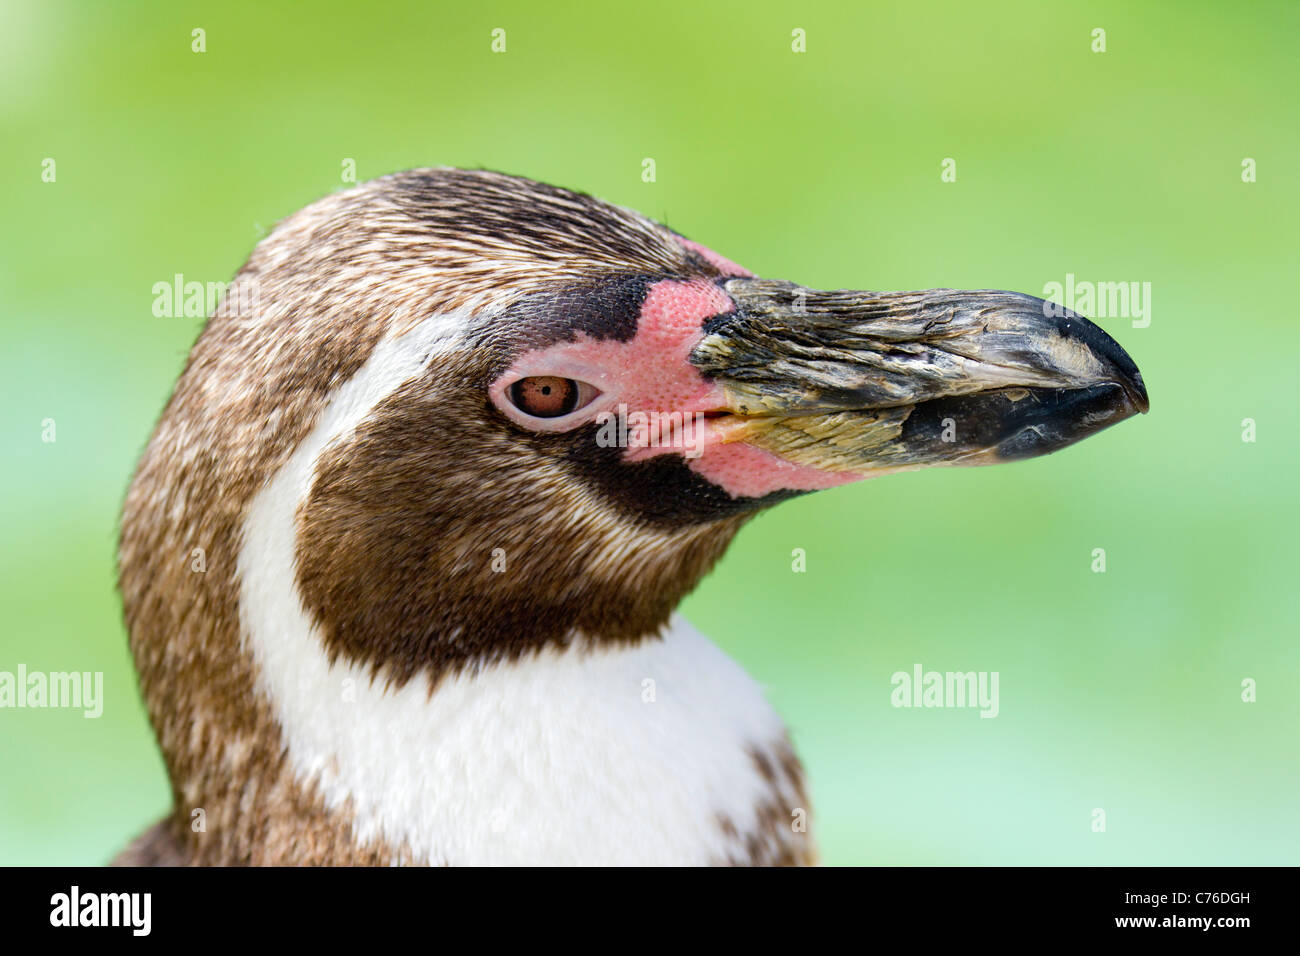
(652, 373)
(721, 263)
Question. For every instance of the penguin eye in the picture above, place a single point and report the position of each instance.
(547, 396)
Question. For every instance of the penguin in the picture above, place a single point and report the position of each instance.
(401, 561)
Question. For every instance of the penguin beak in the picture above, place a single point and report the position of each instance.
(865, 383)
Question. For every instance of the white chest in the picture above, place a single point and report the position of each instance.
(604, 757)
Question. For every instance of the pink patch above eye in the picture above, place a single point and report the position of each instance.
(656, 370)
(652, 370)
(721, 263)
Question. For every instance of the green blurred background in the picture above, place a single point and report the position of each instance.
(1119, 691)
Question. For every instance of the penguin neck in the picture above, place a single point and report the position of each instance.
(586, 753)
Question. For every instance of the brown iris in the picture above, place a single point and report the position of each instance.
(545, 396)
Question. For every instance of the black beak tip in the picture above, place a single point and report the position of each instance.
(1111, 353)
(1137, 392)
(1058, 418)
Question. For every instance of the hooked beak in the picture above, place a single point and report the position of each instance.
(866, 383)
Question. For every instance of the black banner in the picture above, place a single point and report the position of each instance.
(925, 905)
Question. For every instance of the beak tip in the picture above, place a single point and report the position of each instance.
(1137, 392)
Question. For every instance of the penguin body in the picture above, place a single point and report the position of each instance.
(435, 623)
